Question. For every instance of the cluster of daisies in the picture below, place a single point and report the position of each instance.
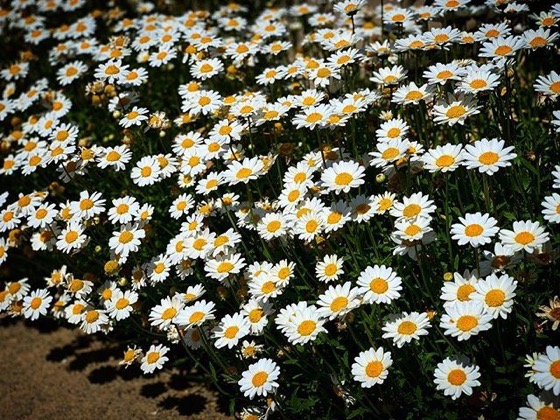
(226, 179)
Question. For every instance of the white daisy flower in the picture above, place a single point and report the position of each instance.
(456, 376)
(370, 367)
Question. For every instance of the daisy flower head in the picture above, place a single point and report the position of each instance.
(537, 409)
(88, 205)
(349, 7)
(154, 358)
(146, 171)
(548, 85)
(243, 172)
(526, 235)
(444, 158)
(442, 73)
(496, 294)
(127, 239)
(395, 128)
(337, 301)
(120, 305)
(343, 176)
(260, 379)
(134, 117)
(479, 81)
(230, 330)
(256, 313)
(551, 313)
(224, 265)
(379, 284)
(206, 69)
(405, 327)
(461, 289)
(36, 304)
(94, 320)
(501, 47)
(488, 156)
(114, 157)
(164, 314)
(370, 367)
(455, 109)
(196, 314)
(389, 75)
(456, 376)
(305, 325)
(416, 205)
(475, 229)
(465, 319)
(71, 238)
(329, 268)
(412, 94)
(442, 37)
(540, 38)
(551, 208)
(547, 370)
(124, 210)
(389, 152)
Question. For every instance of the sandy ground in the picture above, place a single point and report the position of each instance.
(56, 373)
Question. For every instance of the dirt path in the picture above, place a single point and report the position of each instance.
(56, 373)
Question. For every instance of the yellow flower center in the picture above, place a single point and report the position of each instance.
(259, 379)
(407, 328)
(474, 230)
(231, 332)
(524, 238)
(495, 298)
(464, 291)
(467, 322)
(307, 327)
(379, 285)
(488, 158)
(456, 111)
(343, 178)
(445, 161)
(456, 377)
(339, 304)
(374, 369)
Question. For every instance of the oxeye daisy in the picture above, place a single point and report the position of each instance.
(260, 379)
(196, 314)
(496, 294)
(154, 358)
(538, 409)
(42, 216)
(88, 205)
(389, 75)
(273, 225)
(126, 239)
(442, 73)
(478, 81)
(134, 117)
(124, 210)
(343, 176)
(412, 94)
(441, 37)
(383, 202)
(405, 327)
(305, 326)
(488, 31)
(540, 38)
(337, 301)
(244, 171)
(223, 266)
(120, 305)
(312, 116)
(526, 235)
(465, 319)
(501, 47)
(413, 206)
(71, 237)
(114, 157)
(547, 370)
(335, 216)
(395, 128)
(379, 284)
(36, 304)
(475, 229)
(205, 69)
(230, 330)
(159, 268)
(488, 156)
(444, 158)
(461, 289)
(146, 171)
(309, 226)
(456, 376)
(93, 320)
(329, 269)
(164, 314)
(370, 367)
(548, 85)
(256, 314)
(455, 109)
(551, 208)
(412, 230)
(388, 152)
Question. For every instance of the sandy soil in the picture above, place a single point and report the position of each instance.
(56, 373)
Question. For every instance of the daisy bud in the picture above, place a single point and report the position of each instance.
(123, 282)
(380, 178)
(448, 276)
(111, 267)
(162, 134)
(116, 114)
(97, 249)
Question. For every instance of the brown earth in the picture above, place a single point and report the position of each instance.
(56, 373)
